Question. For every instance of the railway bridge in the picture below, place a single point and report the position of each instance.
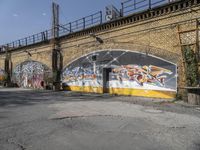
(139, 53)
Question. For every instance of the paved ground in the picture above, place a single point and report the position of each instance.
(45, 120)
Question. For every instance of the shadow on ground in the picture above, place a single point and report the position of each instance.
(16, 98)
(31, 97)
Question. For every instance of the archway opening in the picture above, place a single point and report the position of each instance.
(2, 76)
(122, 72)
(31, 74)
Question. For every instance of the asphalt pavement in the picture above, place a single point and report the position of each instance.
(47, 120)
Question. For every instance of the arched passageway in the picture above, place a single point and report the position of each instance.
(31, 74)
(122, 72)
(2, 76)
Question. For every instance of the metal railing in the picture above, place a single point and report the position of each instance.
(133, 6)
(78, 25)
(81, 24)
(127, 7)
(33, 39)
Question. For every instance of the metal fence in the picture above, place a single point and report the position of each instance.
(81, 24)
(127, 7)
(36, 38)
(78, 25)
(133, 6)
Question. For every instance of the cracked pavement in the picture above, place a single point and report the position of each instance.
(46, 120)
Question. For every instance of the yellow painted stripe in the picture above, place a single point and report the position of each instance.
(125, 91)
(143, 93)
(88, 89)
(2, 78)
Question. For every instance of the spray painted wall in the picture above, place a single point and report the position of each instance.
(31, 74)
(2, 75)
(130, 73)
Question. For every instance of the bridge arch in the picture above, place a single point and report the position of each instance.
(170, 55)
(31, 74)
(119, 71)
(2, 76)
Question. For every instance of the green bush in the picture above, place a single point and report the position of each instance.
(191, 66)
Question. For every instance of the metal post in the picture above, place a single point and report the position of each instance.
(57, 60)
(46, 35)
(55, 20)
(83, 23)
(76, 24)
(122, 10)
(92, 19)
(19, 43)
(43, 36)
(149, 4)
(101, 17)
(134, 4)
(26, 41)
(70, 27)
(33, 39)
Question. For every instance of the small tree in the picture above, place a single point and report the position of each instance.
(191, 67)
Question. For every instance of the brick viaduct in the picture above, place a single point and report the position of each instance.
(153, 32)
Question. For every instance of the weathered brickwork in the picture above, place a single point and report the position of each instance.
(41, 54)
(158, 37)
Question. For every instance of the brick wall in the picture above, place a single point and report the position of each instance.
(154, 35)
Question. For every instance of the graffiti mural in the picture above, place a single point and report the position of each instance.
(81, 76)
(143, 76)
(128, 70)
(2, 75)
(31, 74)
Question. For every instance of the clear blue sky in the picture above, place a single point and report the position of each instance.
(20, 18)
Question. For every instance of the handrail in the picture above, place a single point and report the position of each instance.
(127, 7)
(132, 6)
(78, 25)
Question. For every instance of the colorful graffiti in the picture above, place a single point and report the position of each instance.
(81, 76)
(79, 73)
(141, 74)
(2, 75)
(31, 74)
(129, 70)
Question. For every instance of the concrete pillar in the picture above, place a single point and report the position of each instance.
(57, 65)
(8, 69)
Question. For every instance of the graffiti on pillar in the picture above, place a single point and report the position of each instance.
(2, 75)
(128, 69)
(31, 74)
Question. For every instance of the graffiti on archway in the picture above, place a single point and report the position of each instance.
(2, 75)
(126, 70)
(31, 74)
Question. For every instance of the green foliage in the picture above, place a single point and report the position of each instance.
(191, 67)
